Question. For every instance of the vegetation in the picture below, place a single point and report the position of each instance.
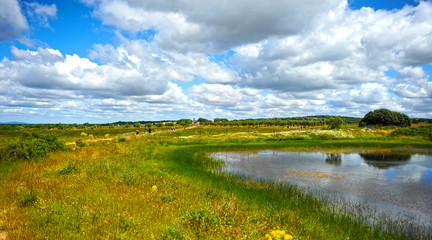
(385, 117)
(335, 122)
(422, 131)
(202, 120)
(164, 186)
(31, 146)
(184, 122)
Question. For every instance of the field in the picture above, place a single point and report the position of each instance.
(108, 183)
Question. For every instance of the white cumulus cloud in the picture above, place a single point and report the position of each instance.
(12, 21)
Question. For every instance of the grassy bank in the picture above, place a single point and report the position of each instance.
(165, 187)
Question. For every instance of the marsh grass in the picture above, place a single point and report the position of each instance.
(164, 186)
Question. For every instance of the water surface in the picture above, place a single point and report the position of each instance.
(397, 183)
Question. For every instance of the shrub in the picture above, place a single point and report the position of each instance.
(122, 139)
(80, 143)
(31, 146)
(83, 134)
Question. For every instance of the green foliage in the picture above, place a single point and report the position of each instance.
(423, 131)
(122, 139)
(80, 143)
(27, 197)
(126, 125)
(69, 168)
(385, 117)
(171, 232)
(9, 127)
(184, 122)
(137, 125)
(31, 146)
(220, 120)
(202, 120)
(334, 122)
(200, 218)
(62, 126)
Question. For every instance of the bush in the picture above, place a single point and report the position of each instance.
(385, 117)
(80, 143)
(31, 146)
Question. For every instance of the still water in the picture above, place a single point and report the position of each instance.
(394, 183)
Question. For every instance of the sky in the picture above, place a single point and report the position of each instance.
(103, 61)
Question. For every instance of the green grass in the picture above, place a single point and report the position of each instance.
(423, 131)
(164, 186)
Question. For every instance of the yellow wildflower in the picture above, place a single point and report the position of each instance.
(278, 235)
(154, 188)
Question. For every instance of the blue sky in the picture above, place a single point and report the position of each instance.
(104, 60)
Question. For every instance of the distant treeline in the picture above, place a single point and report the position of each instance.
(318, 120)
(289, 122)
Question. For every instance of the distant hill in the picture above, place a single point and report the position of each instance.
(12, 123)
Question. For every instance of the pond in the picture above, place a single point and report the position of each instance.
(397, 183)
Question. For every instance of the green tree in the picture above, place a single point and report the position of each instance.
(220, 120)
(385, 117)
(203, 120)
(137, 125)
(184, 122)
(335, 122)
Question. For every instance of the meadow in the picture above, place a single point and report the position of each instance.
(116, 185)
